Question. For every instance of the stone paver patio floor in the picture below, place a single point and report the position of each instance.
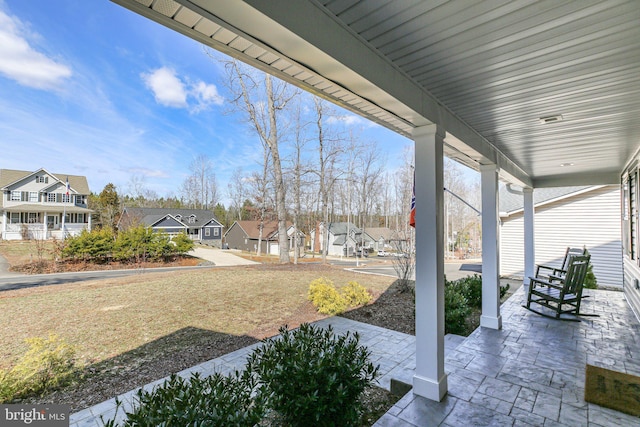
(530, 373)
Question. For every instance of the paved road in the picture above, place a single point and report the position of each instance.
(452, 270)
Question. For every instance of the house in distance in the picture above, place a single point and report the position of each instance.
(42, 205)
(199, 224)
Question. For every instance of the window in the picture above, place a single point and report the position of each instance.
(14, 218)
(178, 217)
(33, 218)
(16, 196)
(216, 232)
(66, 198)
(192, 219)
(33, 196)
(42, 179)
(51, 197)
(207, 232)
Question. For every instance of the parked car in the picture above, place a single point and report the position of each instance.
(383, 253)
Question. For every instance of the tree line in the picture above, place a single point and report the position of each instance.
(312, 168)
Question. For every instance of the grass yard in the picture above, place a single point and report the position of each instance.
(109, 317)
(21, 252)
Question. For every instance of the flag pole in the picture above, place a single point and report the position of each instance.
(64, 208)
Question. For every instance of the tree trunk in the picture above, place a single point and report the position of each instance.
(281, 208)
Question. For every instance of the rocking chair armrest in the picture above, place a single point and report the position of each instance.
(544, 283)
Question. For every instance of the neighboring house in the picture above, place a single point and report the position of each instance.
(564, 216)
(42, 205)
(199, 224)
(344, 238)
(244, 235)
(386, 239)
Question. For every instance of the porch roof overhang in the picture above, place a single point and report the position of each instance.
(47, 209)
(487, 72)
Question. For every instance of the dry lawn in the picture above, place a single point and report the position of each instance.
(109, 317)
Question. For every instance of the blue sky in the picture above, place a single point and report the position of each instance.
(90, 88)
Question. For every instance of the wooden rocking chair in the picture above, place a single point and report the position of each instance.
(560, 294)
(549, 272)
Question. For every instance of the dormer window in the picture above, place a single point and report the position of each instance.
(178, 217)
(192, 219)
(42, 179)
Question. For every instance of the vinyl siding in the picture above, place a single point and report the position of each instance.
(591, 219)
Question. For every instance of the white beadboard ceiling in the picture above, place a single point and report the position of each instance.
(486, 71)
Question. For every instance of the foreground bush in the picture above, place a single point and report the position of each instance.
(329, 300)
(460, 298)
(313, 378)
(456, 310)
(215, 401)
(48, 364)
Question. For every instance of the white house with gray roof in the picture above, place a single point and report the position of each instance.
(564, 216)
(42, 205)
(343, 238)
(199, 224)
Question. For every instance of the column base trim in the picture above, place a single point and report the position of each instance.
(491, 322)
(430, 389)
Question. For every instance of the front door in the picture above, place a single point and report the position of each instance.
(52, 221)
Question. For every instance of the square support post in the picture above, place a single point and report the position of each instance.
(529, 239)
(490, 248)
(430, 380)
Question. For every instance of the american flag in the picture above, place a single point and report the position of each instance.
(412, 215)
(68, 187)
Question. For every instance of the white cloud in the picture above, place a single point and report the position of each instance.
(167, 88)
(206, 94)
(19, 61)
(172, 91)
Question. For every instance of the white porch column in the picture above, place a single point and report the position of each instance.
(88, 222)
(490, 249)
(44, 227)
(529, 240)
(430, 380)
(4, 225)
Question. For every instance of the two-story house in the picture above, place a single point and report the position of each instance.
(42, 205)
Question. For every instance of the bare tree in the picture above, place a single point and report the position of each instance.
(263, 102)
(328, 153)
(200, 187)
(237, 191)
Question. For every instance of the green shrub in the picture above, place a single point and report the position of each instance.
(214, 401)
(182, 243)
(355, 294)
(325, 297)
(96, 244)
(49, 363)
(590, 281)
(471, 288)
(456, 309)
(313, 378)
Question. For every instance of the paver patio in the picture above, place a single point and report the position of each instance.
(529, 373)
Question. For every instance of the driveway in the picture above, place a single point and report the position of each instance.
(4, 268)
(219, 257)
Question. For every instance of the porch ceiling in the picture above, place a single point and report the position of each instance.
(486, 71)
